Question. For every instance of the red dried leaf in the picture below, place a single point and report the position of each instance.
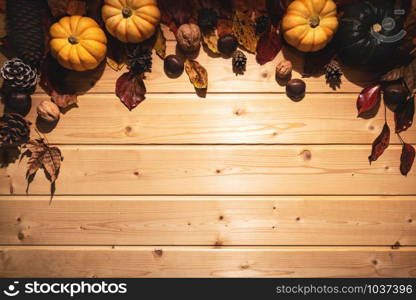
(380, 144)
(404, 115)
(368, 99)
(407, 159)
(130, 89)
(178, 11)
(268, 47)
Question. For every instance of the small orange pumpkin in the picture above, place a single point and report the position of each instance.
(131, 21)
(78, 43)
(309, 25)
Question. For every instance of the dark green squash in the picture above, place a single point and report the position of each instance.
(369, 34)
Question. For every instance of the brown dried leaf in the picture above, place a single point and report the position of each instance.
(42, 156)
(211, 40)
(380, 144)
(393, 75)
(63, 101)
(409, 76)
(198, 75)
(160, 43)
(224, 27)
(244, 31)
(76, 8)
(114, 65)
(407, 159)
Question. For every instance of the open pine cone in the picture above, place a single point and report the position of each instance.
(14, 130)
(18, 76)
(140, 60)
(239, 62)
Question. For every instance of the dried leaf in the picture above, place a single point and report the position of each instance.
(175, 13)
(344, 2)
(58, 7)
(76, 8)
(160, 43)
(268, 47)
(244, 31)
(368, 100)
(407, 159)
(131, 90)
(211, 40)
(45, 157)
(114, 65)
(198, 75)
(393, 75)
(380, 144)
(2, 6)
(65, 100)
(409, 76)
(404, 115)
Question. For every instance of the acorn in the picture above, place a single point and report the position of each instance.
(227, 44)
(394, 95)
(295, 89)
(17, 102)
(173, 66)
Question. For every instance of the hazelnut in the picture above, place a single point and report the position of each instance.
(48, 111)
(284, 70)
(227, 44)
(295, 89)
(18, 102)
(395, 94)
(189, 37)
(173, 66)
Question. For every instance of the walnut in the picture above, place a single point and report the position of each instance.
(48, 111)
(189, 37)
(284, 70)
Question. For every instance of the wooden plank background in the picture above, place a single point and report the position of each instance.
(242, 183)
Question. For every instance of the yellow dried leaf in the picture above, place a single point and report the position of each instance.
(160, 43)
(198, 75)
(244, 31)
(211, 40)
(114, 65)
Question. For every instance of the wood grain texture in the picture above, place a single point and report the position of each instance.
(228, 221)
(224, 119)
(222, 79)
(220, 170)
(207, 262)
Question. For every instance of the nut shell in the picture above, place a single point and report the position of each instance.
(189, 37)
(284, 69)
(48, 111)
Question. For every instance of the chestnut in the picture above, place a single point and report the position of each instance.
(295, 89)
(173, 66)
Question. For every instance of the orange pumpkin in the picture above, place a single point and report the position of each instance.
(309, 25)
(131, 21)
(78, 43)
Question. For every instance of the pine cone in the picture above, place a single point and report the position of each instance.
(207, 19)
(18, 76)
(140, 60)
(262, 23)
(239, 62)
(333, 73)
(25, 30)
(14, 130)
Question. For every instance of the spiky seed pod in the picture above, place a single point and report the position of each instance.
(333, 73)
(239, 62)
(262, 23)
(14, 130)
(18, 76)
(140, 60)
(207, 19)
(25, 30)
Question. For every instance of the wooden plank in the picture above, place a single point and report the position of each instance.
(223, 80)
(230, 221)
(220, 170)
(225, 119)
(207, 262)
